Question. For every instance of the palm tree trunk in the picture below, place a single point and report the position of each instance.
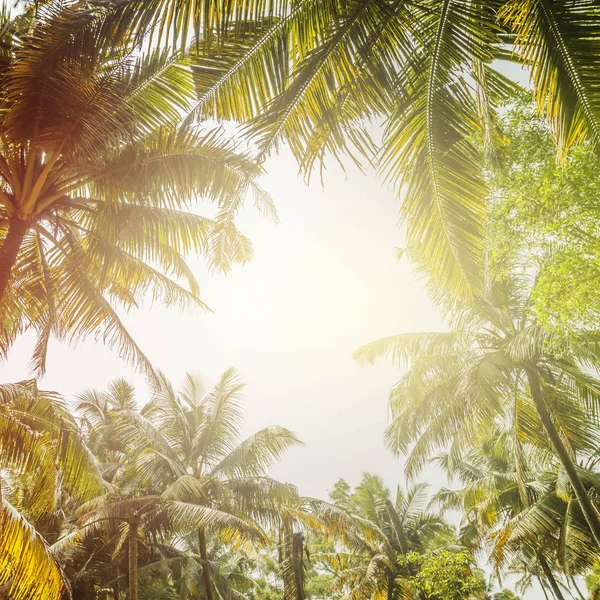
(10, 250)
(205, 566)
(589, 512)
(551, 579)
(297, 554)
(133, 556)
(390, 586)
(286, 562)
(281, 558)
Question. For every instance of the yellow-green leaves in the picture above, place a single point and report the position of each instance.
(559, 41)
(26, 562)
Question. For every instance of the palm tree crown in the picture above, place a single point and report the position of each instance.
(99, 176)
(497, 366)
(379, 532)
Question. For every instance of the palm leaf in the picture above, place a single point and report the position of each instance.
(26, 562)
(559, 41)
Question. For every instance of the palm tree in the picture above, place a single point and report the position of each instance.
(113, 525)
(122, 520)
(189, 468)
(42, 458)
(497, 364)
(99, 176)
(516, 504)
(381, 532)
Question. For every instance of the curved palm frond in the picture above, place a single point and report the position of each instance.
(558, 41)
(26, 561)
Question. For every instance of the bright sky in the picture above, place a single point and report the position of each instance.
(323, 282)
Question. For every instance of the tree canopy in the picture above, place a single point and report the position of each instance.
(121, 120)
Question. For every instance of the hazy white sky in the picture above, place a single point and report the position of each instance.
(323, 282)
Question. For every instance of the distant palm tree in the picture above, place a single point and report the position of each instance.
(98, 177)
(42, 458)
(99, 414)
(516, 503)
(184, 468)
(498, 364)
(383, 530)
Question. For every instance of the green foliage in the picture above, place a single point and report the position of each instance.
(592, 581)
(102, 177)
(500, 378)
(380, 529)
(103, 153)
(340, 493)
(48, 467)
(445, 575)
(544, 217)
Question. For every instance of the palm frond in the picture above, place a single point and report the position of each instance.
(558, 41)
(26, 561)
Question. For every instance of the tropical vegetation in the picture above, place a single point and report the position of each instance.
(133, 132)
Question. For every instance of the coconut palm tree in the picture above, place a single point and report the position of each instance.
(516, 506)
(496, 365)
(99, 177)
(43, 459)
(186, 470)
(382, 533)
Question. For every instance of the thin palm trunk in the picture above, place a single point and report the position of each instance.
(133, 556)
(10, 250)
(390, 586)
(283, 562)
(297, 553)
(551, 579)
(205, 564)
(589, 512)
(287, 563)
